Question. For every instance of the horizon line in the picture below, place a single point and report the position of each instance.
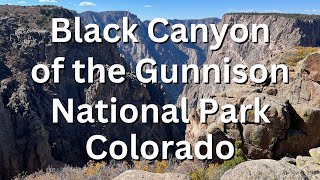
(212, 17)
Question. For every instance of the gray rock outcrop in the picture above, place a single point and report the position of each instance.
(139, 175)
(310, 165)
(264, 169)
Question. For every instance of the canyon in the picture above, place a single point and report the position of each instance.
(30, 141)
(168, 53)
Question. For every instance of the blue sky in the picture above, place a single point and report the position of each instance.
(181, 9)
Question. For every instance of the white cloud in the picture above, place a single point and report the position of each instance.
(85, 3)
(148, 6)
(241, 10)
(248, 10)
(272, 11)
(22, 2)
(311, 10)
(48, 1)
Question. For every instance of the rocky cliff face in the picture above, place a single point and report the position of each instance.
(294, 112)
(29, 140)
(167, 53)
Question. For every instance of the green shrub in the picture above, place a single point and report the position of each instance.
(215, 171)
(23, 20)
(46, 12)
(199, 174)
(5, 13)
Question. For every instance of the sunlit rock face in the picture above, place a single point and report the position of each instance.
(294, 111)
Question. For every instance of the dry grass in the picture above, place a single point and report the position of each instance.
(99, 170)
(92, 170)
(197, 170)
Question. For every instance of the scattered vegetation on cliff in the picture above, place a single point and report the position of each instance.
(295, 55)
(294, 16)
(33, 17)
(215, 171)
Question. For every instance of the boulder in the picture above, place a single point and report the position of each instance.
(138, 174)
(310, 165)
(312, 66)
(315, 154)
(264, 169)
